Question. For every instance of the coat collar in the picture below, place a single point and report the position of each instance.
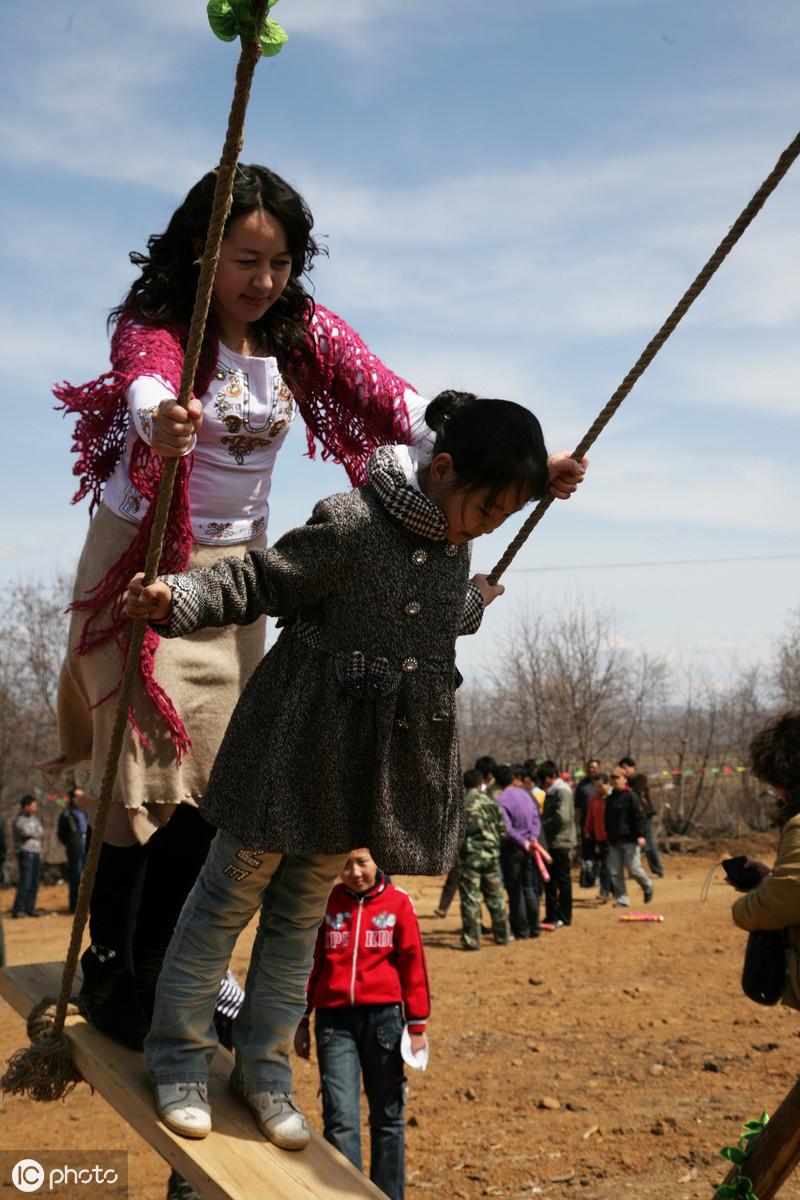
(390, 477)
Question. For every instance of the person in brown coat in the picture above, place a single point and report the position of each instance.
(774, 903)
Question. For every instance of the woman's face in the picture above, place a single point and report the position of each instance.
(255, 266)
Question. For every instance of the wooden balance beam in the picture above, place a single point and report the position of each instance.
(776, 1150)
(234, 1162)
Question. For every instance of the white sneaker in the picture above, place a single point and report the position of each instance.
(184, 1108)
(279, 1118)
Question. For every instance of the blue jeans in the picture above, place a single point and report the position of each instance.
(291, 891)
(352, 1042)
(28, 886)
(75, 864)
(651, 848)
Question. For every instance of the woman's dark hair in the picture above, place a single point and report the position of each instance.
(639, 784)
(503, 775)
(775, 758)
(165, 290)
(472, 778)
(494, 444)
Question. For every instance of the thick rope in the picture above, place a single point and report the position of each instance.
(652, 348)
(40, 1070)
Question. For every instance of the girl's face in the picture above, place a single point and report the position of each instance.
(254, 267)
(469, 514)
(360, 871)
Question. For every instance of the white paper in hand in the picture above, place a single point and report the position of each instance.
(418, 1061)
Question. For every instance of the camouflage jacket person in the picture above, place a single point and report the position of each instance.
(485, 829)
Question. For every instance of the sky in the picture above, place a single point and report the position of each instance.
(513, 197)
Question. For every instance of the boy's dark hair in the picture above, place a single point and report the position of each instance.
(472, 778)
(503, 775)
(547, 770)
(25, 800)
(601, 777)
(494, 444)
(165, 289)
(775, 756)
(486, 765)
(518, 770)
(626, 761)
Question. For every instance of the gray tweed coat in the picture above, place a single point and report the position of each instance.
(345, 735)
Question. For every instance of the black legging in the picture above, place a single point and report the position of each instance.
(139, 891)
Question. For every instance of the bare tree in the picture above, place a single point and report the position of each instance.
(787, 663)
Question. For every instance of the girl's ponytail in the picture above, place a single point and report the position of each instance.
(443, 406)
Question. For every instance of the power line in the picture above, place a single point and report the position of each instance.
(576, 566)
(659, 562)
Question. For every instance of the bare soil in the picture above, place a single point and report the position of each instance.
(602, 1060)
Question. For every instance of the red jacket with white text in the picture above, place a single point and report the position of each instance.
(369, 951)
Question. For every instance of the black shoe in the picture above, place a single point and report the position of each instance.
(17, 915)
(179, 1188)
(108, 997)
(648, 895)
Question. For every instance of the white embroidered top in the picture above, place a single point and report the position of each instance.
(247, 413)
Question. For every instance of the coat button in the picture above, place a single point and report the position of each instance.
(451, 549)
(419, 557)
(439, 718)
(401, 723)
(410, 664)
(219, 373)
(412, 608)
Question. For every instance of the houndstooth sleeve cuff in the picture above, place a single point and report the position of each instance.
(473, 611)
(186, 613)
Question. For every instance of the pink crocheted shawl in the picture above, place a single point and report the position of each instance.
(351, 404)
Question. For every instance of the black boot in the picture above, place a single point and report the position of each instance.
(108, 996)
(179, 1188)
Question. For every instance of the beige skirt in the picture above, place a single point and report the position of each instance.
(203, 675)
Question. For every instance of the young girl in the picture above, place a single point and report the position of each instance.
(270, 353)
(345, 735)
(369, 979)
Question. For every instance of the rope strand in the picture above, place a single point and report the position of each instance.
(45, 1069)
(654, 345)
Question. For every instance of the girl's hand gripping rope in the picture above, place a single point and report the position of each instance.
(153, 601)
(489, 591)
(565, 474)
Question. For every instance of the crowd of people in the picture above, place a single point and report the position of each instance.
(528, 824)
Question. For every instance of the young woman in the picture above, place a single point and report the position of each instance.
(270, 354)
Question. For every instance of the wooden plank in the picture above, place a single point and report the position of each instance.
(234, 1162)
(776, 1150)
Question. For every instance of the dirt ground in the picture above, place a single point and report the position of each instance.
(602, 1060)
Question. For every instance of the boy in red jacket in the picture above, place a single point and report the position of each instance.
(369, 972)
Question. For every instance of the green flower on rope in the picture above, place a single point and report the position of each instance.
(230, 19)
(740, 1187)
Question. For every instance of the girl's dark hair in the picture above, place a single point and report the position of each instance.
(165, 290)
(775, 758)
(494, 444)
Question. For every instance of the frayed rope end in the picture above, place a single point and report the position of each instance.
(45, 1070)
